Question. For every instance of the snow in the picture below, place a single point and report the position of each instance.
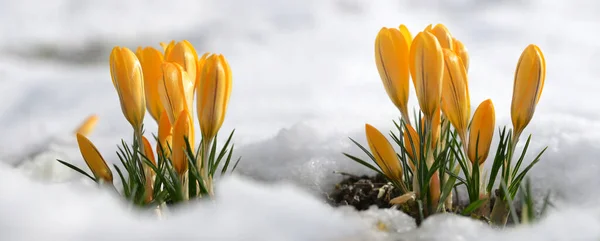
(304, 81)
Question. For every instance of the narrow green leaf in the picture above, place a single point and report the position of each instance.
(76, 169)
(473, 206)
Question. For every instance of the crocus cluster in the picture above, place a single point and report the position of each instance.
(165, 84)
(438, 64)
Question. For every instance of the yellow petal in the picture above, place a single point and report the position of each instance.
(391, 57)
(434, 188)
(213, 93)
(443, 36)
(148, 150)
(482, 127)
(200, 68)
(93, 159)
(528, 85)
(406, 34)
(164, 135)
(427, 68)
(127, 77)
(87, 127)
(151, 60)
(185, 55)
(384, 153)
(167, 47)
(176, 91)
(181, 130)
(461, 51)
(455, 93)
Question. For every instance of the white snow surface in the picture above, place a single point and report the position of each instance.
(304, 81)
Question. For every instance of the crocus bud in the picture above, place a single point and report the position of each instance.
(427, 68)
(181, 130)
(412, 140)
(529, 83)
(88, 125)
(391, 57)
(213, 93)
(148, 172)
(185, 55)
(384, 153)
(461, 51)
(175, 90)
(127, 77)
(164, 135)
(456, 102)
(482, 125)
(443, 36)
(94, 160)
(148, 150)
(151, 60)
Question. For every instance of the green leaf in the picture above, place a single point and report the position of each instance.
(356, 159)
(514, 186)
(520, 161)
(228, 159)
(77, 169)
(498, 159)
(236, 164)
(447, 189)
(473, 206)
(123, 182)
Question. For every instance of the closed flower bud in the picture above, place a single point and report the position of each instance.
(151, 60)
(181, 130)
(175, 90)
(529, 83)
(165, 133)
(127, 77)
(461, 51)
(443, 36)
(384, 153)
(456, 102)
(391, 56)
(412, 140)
(482, 127)
(185, 55)
(213, 93)
(94, 160)
(427, 68)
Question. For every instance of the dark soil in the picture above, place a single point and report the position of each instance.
(361, 192)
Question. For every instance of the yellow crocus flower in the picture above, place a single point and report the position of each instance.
(384, 153)
(165, 133)
(127, 77)
(93, 159)
(443, 36)
(456, 102)
(176, 91)
(181, 130)
(482, 125)
(427, 68)
(185, 55)
(151, 60)
(213, 93)
(391, 56)
(528, 85)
